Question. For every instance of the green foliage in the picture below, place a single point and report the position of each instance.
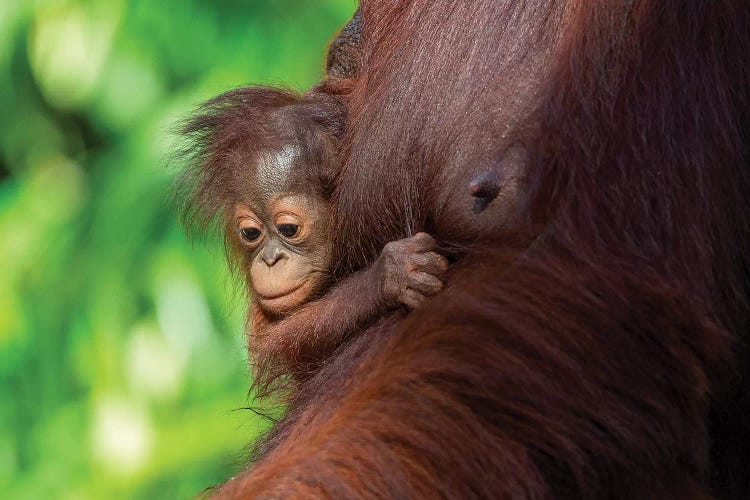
(121, 347)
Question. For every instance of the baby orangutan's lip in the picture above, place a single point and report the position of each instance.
(281, 295)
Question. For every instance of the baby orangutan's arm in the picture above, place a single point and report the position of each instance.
(406, 273)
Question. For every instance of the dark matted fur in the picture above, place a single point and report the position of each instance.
(592, 363)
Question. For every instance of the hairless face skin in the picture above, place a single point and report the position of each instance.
(284, 227)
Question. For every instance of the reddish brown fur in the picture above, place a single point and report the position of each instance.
(586, 364)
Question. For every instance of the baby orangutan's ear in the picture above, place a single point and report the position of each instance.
(325, 111)
(328, 169)
(321, 140)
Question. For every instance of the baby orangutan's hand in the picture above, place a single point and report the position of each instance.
(411, 271)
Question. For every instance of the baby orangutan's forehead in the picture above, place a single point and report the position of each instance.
(275, 179)
(262, 176)
(276, 170)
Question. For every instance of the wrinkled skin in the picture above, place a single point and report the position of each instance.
(411, 271)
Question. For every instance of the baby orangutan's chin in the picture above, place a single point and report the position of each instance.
(278, 305)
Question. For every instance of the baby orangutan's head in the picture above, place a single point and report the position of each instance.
(267, 159)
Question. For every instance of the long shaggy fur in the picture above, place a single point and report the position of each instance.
(594, 362)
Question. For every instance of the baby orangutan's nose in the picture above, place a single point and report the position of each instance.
(272, 254)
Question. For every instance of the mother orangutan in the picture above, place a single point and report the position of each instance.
(585, 166)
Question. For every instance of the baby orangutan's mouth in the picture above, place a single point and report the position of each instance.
(279, 295)
(284, 302)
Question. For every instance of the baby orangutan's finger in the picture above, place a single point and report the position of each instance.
(430, 262)
(424, 283)
(422, 242)
(412, 299)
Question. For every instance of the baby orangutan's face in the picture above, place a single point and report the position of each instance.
(287, 245)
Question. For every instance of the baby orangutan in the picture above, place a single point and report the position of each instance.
(279, 154)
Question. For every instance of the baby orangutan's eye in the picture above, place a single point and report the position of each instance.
(288, 230)
(250, 233)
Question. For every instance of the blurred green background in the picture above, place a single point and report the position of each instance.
(122, 359)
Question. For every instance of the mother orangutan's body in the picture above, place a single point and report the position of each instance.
(598, 289)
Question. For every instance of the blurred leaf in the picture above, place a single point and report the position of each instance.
(121, 347)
